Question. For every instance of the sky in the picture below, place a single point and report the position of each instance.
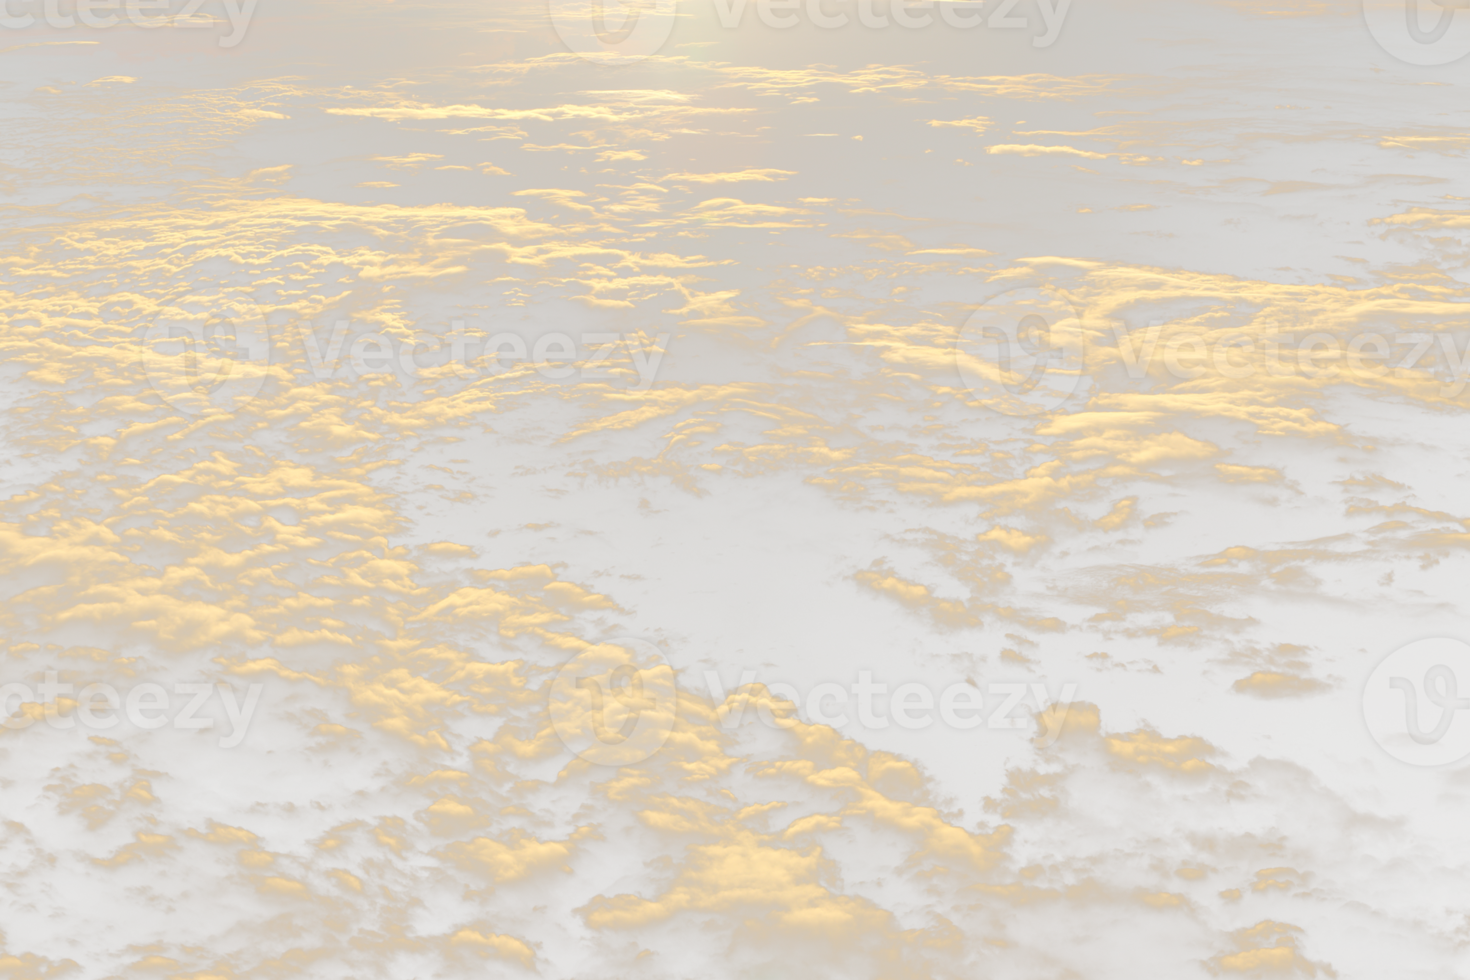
(702, 489)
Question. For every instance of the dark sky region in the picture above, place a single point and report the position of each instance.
(807, 490)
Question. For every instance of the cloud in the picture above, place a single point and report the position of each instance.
(735, 177)
(1035, 150)
(405, 563)
(106, 81)
(1272, 684)
(978, 124)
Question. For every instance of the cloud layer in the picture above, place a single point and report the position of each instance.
(785, 470)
